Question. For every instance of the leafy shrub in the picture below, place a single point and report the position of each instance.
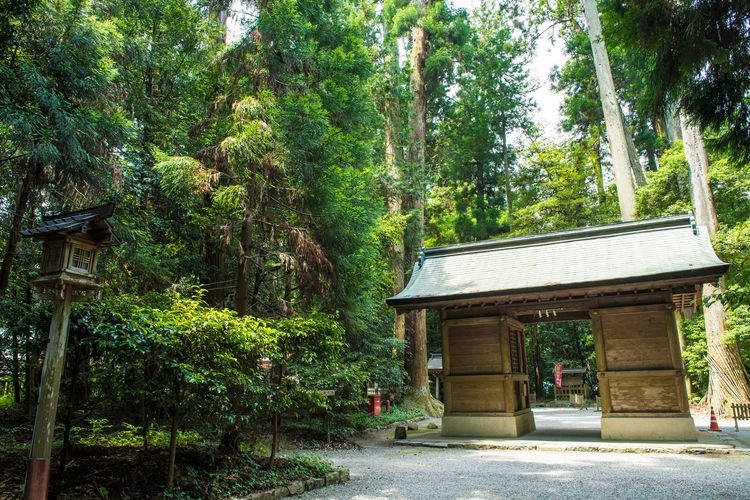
(6, 401)
(101, 433)
(695, 353)
(245, 475)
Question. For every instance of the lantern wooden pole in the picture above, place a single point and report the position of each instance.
(38, 470)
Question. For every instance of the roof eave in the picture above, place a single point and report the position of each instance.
(703, 275)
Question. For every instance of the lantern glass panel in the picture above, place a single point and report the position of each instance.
(81, 259)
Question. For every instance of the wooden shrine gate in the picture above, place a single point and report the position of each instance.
(626, 278)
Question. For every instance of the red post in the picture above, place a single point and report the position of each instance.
(374, 407)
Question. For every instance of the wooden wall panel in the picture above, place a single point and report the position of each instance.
(477, 397)
(636, 341)
(474, 349)
(644, 394)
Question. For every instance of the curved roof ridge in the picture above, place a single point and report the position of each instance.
(615, 229)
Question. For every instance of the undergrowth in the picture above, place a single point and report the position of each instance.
(108, 461)
(244, 474)
(100, 432)
(6, 401)
(346, 425)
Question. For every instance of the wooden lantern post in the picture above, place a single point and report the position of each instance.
(71, 248)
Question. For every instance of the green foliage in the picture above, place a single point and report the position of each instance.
(581, 111)
(730, 183)
(244, 475)
(569, 343)
(228, 199)
(699, 53)
(100, 432)
(472, 141)
(167, 352)
(738, 331)
(362, 420)
(405, 18)
(181, 175)
(668, 189)
(695, 353)
(249, 176)
(56, 73)
(345, 424)
(6, 401)
(555, 193)
(733, 245)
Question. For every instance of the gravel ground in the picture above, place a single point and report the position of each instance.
(422, 473)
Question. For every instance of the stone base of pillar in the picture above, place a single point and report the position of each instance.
(489, 426)
(648, 428)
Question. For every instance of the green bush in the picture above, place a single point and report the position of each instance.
(101, 433)
(695, 353)
(245, 475)
(6, 401)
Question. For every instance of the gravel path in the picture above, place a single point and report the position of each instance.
(422, 473)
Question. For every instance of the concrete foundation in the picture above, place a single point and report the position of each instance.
(488, 426)
(649, 428)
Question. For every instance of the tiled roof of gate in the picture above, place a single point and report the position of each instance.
(623, 253)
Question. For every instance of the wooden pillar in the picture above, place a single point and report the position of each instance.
(37, 475)
(486, 385)
(641, 375)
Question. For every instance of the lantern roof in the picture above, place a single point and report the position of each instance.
(90, 221)
(572, 371)
(435, 363)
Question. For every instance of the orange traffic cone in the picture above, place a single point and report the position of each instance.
(714, 424)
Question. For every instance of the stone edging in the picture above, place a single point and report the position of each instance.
(298, 487)
(695, 449)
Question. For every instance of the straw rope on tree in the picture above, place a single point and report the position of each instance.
(727, 381)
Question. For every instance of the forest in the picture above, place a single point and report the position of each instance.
(276, 168)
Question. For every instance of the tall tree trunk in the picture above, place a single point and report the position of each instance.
(14, 234)
(506, 174)
(653, 162)
(145, 428)
(241, 287)
(276, 423)
(274, 439)
(612, 116)
(416, 321)
(672, 125)
(213, 256)
(230, 439)
(172, 447)
(728, 381)
(74, 363)
(16, 369)
(700, 192)
(601, 194)
(636, 169)
(393, 165)
(28, 375)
